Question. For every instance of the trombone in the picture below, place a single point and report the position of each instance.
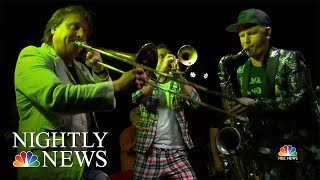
(148, 54)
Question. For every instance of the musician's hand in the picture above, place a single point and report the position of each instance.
(242, 106)
(247, 101)
(166, 63)
(131, 80)
(92, 59)
(141, 77)
(218, 165)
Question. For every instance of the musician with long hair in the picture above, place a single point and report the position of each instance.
(56, 93)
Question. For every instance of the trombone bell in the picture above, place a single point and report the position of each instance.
(147, 55)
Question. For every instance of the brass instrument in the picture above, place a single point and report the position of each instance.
(229, 134)
(187, 55)
(229, 139)
(148, 55)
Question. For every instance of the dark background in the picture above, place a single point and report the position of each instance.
(126, 26)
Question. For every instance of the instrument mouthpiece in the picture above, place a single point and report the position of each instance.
(78, 43)
(243, 51)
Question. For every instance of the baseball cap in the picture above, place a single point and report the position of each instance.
(250, 16)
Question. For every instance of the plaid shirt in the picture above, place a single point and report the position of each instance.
(147, 125)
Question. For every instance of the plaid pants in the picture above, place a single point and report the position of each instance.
(159, 163)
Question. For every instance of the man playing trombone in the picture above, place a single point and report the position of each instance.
(54, 92)
(162, 132)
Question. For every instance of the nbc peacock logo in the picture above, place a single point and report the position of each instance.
(26, 159)
(287, 152)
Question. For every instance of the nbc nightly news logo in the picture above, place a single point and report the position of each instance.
(28, 159)
(287, 152)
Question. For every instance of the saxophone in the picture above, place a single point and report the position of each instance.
(226, 86)
(225, 82)
(229, 139)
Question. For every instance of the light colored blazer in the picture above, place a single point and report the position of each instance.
(48, 100)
